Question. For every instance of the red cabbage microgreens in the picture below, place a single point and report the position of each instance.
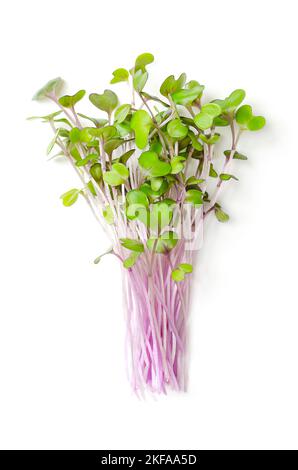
(147, 171)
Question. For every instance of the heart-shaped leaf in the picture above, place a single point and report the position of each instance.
(210, 140)
(148, 190)
(118, 175)
(68, 101)
(186, 96)
(141, 123)
(143, 60)
(152, 165)
(170, 85)
(236, 156)
(106, 102)
(177, 130)
(120, 75)
(178, 274)
(234, 99)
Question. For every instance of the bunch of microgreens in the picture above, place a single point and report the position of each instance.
(142, 165)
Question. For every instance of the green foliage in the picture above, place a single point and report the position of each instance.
(170, 85)
(108, 215)
(152, 165)
(142, 61)
(122, 112)
(70, 197)
(141, 123)
(106, 102)
(247, 120)
(163, 244)
(177, 130)
(220, 214)
(194, 196)
(178, 274)
(227, 177)
(133, 245)
(204, 119)
(96, 172)
(68, 101)
(131, 260)
(51, 87)
(120, 75)
(118, 175)
(139, 80)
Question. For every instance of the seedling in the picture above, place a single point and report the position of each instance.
(146, 168)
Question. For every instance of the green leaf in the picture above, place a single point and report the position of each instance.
(203, 121)
(227, 177)
(194, 196)
(122, 112)
(177, 130)
(112, 144)
(139, 80)
(153, 166)
(142, 61)
(194, 140)
(244, 114)
(221, 215)
(136, 196)
(105, 133)
(97, 122)
(170, 85)
(186, 97)
(108, 215)
(131, 260)
(235, 99)
(70, 197)
(178, 275)
(156, 183)
(141, 123)
(74, 135)
(118, 175)
(96, 172)
(177, 164)
(256, 123)
(236, 156)
(126, 156)
(53, 86)
(91, 188)
(219, 121)
(187, 268)
(68, 101)
(133, 245)
(163, 244)
(147, 189)
(212, 172)
(47, 117)
(89, 158)
(106, 102)
(53, 142)
(212, 109)
(192, 180)
(210, 140)
(120, 75)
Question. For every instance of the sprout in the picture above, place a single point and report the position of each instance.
(146, 169)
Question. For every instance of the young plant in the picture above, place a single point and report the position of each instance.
(146, 169)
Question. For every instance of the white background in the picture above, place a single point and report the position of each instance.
(63, 383)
